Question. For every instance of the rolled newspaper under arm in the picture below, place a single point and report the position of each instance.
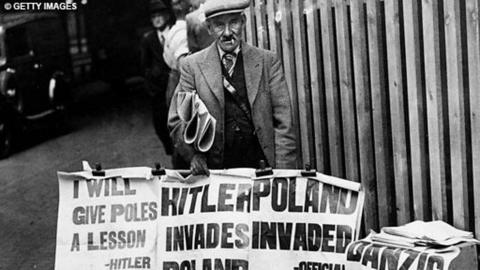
(191, 129)
(207, 133)
(200, 128)
(185, 105)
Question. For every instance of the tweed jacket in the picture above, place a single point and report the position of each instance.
(267, 94)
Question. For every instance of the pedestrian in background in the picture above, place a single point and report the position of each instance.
(156, 70)
(197, 31)
(175, 48)
(244, 89)
(176, 45)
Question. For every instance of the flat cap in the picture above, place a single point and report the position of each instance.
(158, 5)
(214, 8)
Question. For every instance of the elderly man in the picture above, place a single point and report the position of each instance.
(244, 89)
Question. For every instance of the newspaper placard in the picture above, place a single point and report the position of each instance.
(108, 223)
(227, 221)
(365, 255)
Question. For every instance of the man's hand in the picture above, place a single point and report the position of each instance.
(198, 165)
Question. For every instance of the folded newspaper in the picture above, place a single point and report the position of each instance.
(200, 124)
(420, 233)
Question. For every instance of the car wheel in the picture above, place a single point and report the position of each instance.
(6, 132)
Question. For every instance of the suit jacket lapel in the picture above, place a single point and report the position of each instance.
(253, 71)
(212, 72)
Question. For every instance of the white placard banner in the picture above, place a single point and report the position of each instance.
(232, 220)
(365, 255)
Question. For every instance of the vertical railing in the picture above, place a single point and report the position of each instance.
(385, 92)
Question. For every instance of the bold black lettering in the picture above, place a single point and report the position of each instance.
(349, 209)
(371, 255)
(78, 216)
(412, 255)
(311, 198)
(146, 263)
(390, 257)
(344, 237)
(241, 230)
(103, 240)
(292, 192)
(422, 260)
(170, 266)
(239, 264)
(268, 235)
(186, 265)
(261, 188)
(178, 239)
(255, 234)
(279, 190)
(168, 202)
(188, 231)
(243, 197)
(91, 246)
(355, 250)
(207, 264)
(183, 199)
(115, 191)
(194, 192)
(153, 210)
(223, 196)
(131, 239)
(94, 187)
(329, 200)
(106, 188)
(75, 243)
(112, 240)
(169, 239)
(75, 189)
(327, 238)
(435, 263)
(117, 210)
(285, 235)
(300, 239)
(199, 236)
(213, 235)
(226, 234)
(219, 264)
(122, 242)
(314, 239)
(206, 208)
(141, 237)
(128, 190)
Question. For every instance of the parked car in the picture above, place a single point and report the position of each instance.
(34, 75)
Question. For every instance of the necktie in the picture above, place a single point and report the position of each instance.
(228, 59)
(162, 40)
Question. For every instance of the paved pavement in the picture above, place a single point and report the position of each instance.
(106, 128)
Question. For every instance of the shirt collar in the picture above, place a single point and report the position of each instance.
(164, 32)
(222, 53)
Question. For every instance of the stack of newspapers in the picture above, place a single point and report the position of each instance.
(422, 234)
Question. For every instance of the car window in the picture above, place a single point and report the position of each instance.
(16, 40)
(48, 36)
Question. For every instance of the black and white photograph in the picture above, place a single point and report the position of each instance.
(240, 134)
